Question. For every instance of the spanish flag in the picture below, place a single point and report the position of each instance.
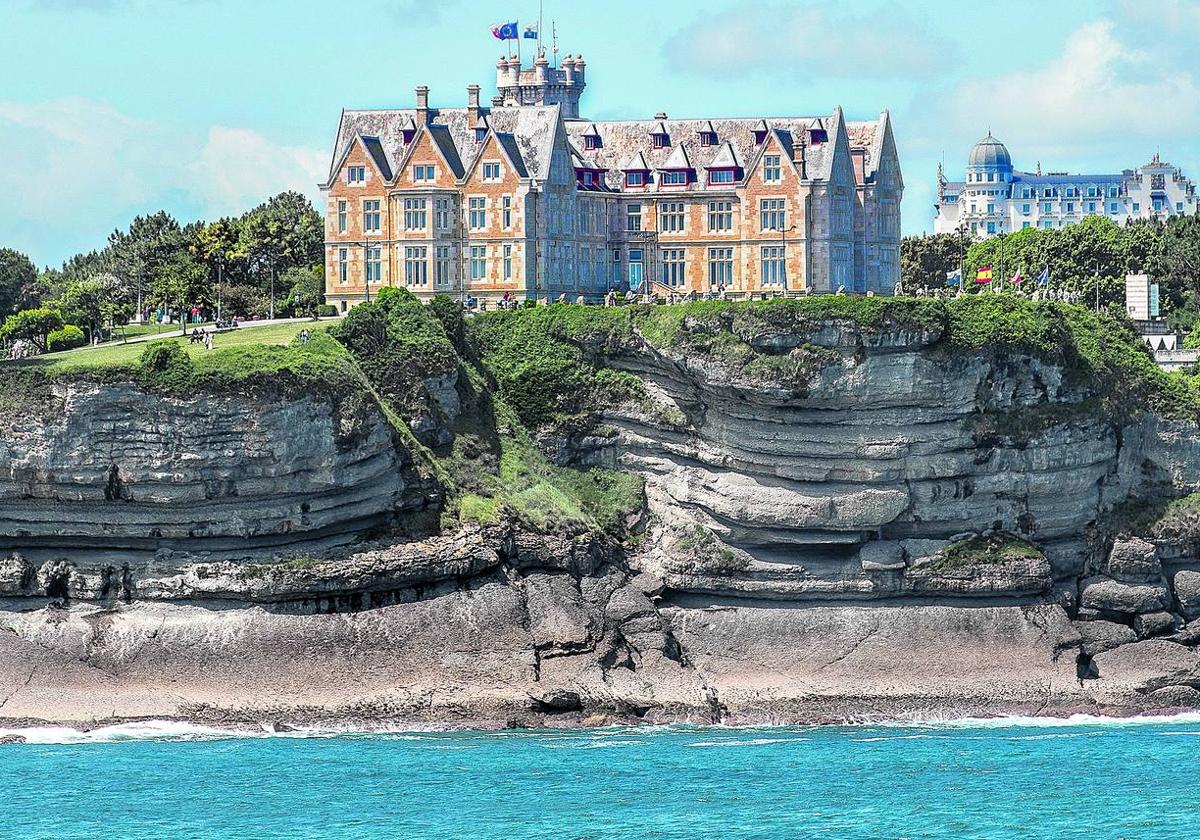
(984, 275)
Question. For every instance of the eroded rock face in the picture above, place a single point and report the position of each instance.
(113, 467)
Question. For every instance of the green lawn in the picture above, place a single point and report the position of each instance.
(139, 330)
(127, 354)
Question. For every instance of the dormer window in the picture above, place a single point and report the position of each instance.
(760, 136)
(722, 176)
(817, 136)
(659, 140)
(674, 178)
(356, 175)
(589, 178)
(480, 133)
(636, 178)
(591, 141)
(408, 134)
(708, 138)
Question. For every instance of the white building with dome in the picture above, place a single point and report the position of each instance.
(997, 199)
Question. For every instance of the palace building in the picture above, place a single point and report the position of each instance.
(997, 199)
(524, 197)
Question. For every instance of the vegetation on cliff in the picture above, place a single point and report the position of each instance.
(984, 550)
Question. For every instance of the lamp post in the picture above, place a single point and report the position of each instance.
(783, 232)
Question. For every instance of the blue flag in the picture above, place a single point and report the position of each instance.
(953, 278)
(505, 31)
(531, 31)
(1043, 279)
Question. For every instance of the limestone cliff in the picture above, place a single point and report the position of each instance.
(842, 516)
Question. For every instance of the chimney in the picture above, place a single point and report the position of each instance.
(422, 105)
(800, 156)
(661, 115)
(472, 103)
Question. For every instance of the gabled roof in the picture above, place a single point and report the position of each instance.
(726, 158)
(453, 131)
(678, 159)
(706, 126)
(375, 150)
(442, 138)
(509, 144)
(636, 163)
(661, 128)
(592, 131)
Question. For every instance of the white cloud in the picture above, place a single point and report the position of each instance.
(239, 167)
(1099, 94)
(818, 40)
(80, 168)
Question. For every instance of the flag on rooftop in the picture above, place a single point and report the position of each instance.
(1043, 279)
(505, 31)
(984, 275)
(531, 31)
(953, 278)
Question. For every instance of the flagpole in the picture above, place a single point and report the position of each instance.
(539, 31)
(518, 33)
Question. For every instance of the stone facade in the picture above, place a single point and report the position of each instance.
(524, 198)
(996, 199)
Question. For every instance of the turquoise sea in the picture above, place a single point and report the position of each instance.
(1054, 779)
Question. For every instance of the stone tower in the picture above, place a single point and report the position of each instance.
(541, 84)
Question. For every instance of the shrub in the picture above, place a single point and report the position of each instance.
(68, 338)
(327, 310)
(33, 325)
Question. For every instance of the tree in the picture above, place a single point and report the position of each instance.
(306, 288)
(180, 283)
(1179, 252)
(926, 260)
(34, 325)
(285, 232)
(215, 246)
(138, 254)
(89, 302)
(17, 277)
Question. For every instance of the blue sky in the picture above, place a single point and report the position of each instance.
(110, 108)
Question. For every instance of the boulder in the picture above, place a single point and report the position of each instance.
(1148, 665)
(1107, 594)
(1101, 636)
(1186, 584)
(881, 556)
(1153, 624)
(12, 739)
(1176, 697)
(556, 699)
(16, 574)
(1132, 560)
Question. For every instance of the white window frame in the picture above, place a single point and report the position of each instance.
(772, 169)
(672, 216)
(352, 172)
(478, 260)
(477, 204)
(720, 267)
(772, 264)
(415, 213)
(772, 209)
(492, 171)
(343, 215)
(416, 266)
(372, 215)
(674, 267)
(720, 211)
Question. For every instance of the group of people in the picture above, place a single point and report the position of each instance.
(1039, 293)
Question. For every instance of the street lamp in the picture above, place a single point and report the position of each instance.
(783, 232)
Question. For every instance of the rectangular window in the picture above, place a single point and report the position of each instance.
(423, 172)
(356, 174)
(1024, 225)
(991, 208)
(414, 214)
(506, 211)
(721, 176)
(375, 265)
(674, 177)
(442, 213)
(415, 266)
(491, 170)
(1070, 206)
(478, 262)
(1178, 206)
(635, 267)
(670, 217)
(1112, 208)
(708, 138)
(477, 213)
(441, 267)
(633, 217)
(508, 262)
(660, 141)
(720, 216)
(774, 268)
(1136, 207)
(343, 265)
(673, 267)
(1045, 206)
(991, 227)
(720, 267)
(1025, 208)
(341, 216)
(635, 179)
(371, 214)
(771, 215)
(1091, 207)
(772, 170)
